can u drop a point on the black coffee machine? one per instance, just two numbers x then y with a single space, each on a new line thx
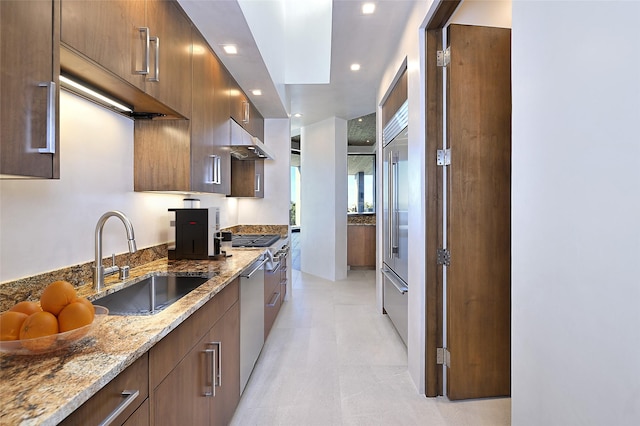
196 233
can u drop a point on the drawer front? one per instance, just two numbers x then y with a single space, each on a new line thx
103 403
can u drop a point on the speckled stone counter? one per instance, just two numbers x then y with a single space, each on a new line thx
361 219
44 389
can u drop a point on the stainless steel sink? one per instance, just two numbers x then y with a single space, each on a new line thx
150 295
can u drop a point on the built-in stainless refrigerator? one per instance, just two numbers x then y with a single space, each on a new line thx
395 223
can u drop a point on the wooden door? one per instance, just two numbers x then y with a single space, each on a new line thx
478 280
28 54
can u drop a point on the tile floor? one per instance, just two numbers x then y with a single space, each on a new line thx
332 359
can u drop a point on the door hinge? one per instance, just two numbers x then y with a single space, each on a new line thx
443 257
443 157
443 357
443 57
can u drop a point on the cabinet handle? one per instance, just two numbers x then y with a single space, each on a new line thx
51 118
213 372
216 164
145 62
245 106
156 77
218 376
257 182
274 300
129 397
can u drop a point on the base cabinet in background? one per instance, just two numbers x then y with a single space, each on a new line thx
361 246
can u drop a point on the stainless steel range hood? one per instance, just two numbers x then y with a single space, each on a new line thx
247 147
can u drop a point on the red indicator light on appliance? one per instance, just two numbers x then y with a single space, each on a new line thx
193 223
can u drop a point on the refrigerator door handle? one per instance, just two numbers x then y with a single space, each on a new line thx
395 232
401 287
390 205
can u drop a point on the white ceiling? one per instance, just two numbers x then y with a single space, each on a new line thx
366 39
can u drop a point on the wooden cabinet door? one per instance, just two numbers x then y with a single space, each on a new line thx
272 298
478 289
238 103
247 178
170 80
227 396
109 33
29 47
182 398
210 160
256 123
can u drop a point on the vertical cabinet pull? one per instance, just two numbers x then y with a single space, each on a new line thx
210 381
245 106
145 56
257 182
216 166
129 396
216 368
156 70
50 148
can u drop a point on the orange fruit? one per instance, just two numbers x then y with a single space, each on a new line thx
26 307
56 296
88 304
74 315
10 324
42 325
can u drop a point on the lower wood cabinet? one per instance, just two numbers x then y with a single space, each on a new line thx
101 405
272 297
195 370
190 377
361 246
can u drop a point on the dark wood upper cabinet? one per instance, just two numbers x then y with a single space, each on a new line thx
247 178
210 132
146 43
29 135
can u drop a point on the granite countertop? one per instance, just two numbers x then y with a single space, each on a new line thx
44 389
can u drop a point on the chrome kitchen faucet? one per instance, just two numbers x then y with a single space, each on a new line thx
99 271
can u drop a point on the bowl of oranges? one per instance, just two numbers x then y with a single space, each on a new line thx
58 320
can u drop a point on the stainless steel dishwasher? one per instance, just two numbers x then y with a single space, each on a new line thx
251 318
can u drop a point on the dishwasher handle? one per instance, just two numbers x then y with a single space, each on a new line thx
400 286
254 270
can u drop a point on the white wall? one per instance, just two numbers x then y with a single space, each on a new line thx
576 210
411 47
323 216
49 224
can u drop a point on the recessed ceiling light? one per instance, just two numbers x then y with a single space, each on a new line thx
360 119
257 92
230 49
297 115
355 67
368 8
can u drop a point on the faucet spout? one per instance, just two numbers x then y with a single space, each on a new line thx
98 269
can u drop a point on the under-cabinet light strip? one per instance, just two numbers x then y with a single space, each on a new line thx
67 81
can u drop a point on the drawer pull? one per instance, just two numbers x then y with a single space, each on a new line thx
274 300
129 397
